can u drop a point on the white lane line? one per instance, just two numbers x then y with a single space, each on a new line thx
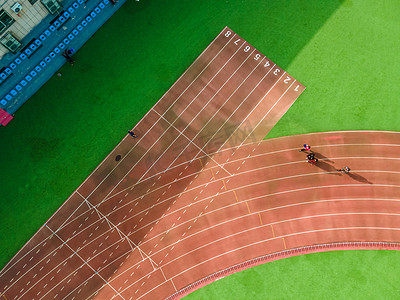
7 267
256 155
267 113
152 127
244 100
86 263
187 106
191 142
212 117
356 157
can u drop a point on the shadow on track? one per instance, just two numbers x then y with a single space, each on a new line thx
359 178
327 167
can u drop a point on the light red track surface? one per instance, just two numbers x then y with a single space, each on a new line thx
198 195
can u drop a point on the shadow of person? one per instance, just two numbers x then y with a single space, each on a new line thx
320 156
359 178
327 167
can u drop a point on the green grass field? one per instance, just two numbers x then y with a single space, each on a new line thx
344 52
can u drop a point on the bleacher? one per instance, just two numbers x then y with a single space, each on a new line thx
40 59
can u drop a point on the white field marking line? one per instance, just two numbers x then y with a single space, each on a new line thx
267 225
65 277
287 235
270 239
61 226
212 117
183 74
125 236
259 102
177 118
246 172
245 186
164 131
212 211
103 268
145 275
85 262
191 142
254 213
49 254
244 100
156 123
252 112
267 113
253 156
292 149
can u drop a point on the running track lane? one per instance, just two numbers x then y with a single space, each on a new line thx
273 216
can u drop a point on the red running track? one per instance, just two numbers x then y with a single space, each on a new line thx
194 199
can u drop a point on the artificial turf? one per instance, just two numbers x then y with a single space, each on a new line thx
344 52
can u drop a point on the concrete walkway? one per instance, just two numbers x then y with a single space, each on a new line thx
23 73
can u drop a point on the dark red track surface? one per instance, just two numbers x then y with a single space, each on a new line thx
198 195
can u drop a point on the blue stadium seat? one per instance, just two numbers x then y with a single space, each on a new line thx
22 56
47 59
33 73
66 41
52 28
47 32
38 42
79 27
80 1
57 24
56 50
13 92
93 14
71 36
97 10
18 87
75 32
33 47
28 52
84 23
61 45
7 70
8 97
3 76
52 54
66 15
38 69
71 10
18 61
101 5
61 19
13 66
3 102
88 18
75 5
23 82
42 37
28 78
42 64
106 1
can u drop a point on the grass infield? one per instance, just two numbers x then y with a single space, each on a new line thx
344 52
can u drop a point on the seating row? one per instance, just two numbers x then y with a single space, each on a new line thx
38 42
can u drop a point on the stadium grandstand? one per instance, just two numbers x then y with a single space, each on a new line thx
34 34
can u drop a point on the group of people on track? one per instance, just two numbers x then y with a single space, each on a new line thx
313 160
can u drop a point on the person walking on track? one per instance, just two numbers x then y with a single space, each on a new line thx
310 156
313 161
305 148
345 170
132 134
